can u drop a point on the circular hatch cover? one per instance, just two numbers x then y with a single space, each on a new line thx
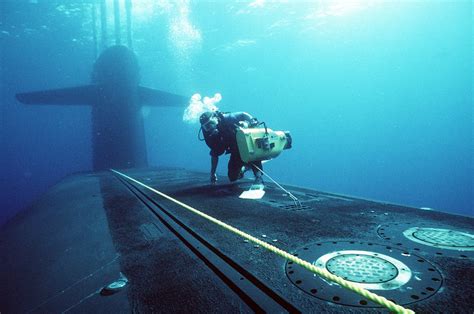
390 272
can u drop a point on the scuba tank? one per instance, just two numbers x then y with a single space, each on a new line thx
261 143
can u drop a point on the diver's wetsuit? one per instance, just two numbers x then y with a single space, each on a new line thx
223 140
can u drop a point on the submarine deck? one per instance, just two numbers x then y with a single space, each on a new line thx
91 230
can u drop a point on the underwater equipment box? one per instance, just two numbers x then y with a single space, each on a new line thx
261 143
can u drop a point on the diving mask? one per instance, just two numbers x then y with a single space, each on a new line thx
210 124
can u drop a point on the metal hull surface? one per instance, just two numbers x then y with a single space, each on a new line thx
91 229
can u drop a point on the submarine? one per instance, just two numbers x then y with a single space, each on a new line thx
116 99
127 237
165 240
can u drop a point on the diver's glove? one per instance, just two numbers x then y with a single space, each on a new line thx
254 123
244 124
213 178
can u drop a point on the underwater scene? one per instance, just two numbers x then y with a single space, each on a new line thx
377 95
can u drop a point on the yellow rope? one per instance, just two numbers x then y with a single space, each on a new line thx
319 271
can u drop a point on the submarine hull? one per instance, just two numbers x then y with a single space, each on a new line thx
95 229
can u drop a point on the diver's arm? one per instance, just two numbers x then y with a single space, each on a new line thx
214 162
246 120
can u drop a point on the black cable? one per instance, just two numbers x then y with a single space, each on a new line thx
199 135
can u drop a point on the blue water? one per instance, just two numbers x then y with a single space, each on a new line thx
377 95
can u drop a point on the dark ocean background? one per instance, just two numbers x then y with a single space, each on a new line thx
378 95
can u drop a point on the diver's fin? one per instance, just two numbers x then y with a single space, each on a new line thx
80 95
154 97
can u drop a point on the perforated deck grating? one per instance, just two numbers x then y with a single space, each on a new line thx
442 238
432 239
389 272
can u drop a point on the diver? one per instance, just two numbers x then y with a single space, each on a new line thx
219 130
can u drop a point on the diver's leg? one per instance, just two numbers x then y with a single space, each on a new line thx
234 167
257 173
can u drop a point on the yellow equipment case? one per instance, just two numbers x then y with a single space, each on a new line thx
261 143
